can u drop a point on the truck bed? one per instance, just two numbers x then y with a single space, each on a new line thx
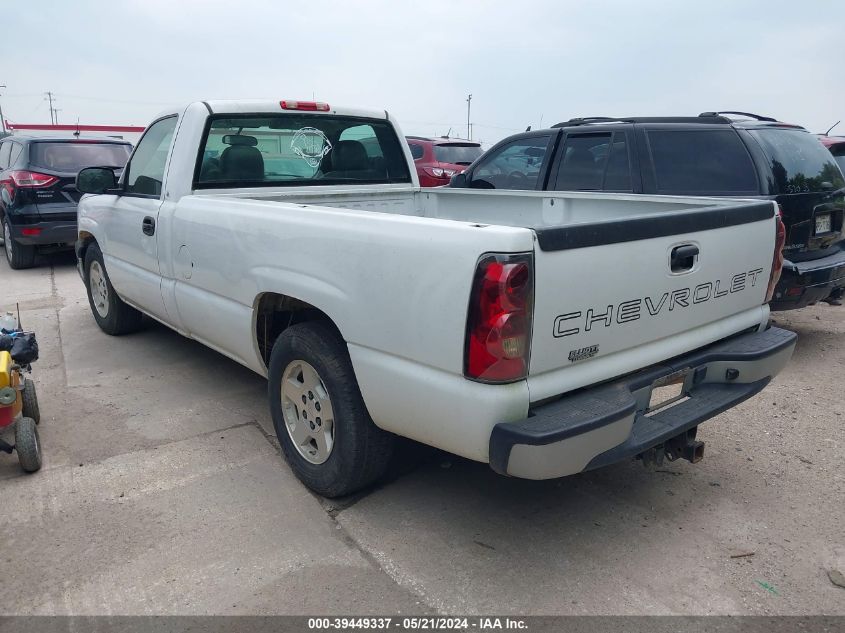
527 209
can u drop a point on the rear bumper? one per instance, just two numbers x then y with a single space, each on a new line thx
49 232
606 424
804 283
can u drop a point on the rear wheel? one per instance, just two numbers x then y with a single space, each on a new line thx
320 418
30 401
28 445
18 255
110 312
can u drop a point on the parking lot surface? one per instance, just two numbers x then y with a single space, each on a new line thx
163 492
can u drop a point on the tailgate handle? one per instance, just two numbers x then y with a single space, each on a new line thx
683 258
148 226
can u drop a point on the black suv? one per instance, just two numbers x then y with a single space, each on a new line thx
38 193
741 155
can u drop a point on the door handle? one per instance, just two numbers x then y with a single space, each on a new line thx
682 258
148 226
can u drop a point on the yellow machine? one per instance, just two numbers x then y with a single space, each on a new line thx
19 408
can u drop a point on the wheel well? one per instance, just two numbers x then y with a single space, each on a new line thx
85 240
274 313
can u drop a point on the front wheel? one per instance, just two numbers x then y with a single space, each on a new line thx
110 312
323 426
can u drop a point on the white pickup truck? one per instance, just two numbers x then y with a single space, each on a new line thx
538 332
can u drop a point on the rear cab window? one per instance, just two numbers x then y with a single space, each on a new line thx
710 162
299 150
798 160
72 156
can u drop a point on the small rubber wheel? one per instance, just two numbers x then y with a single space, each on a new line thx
323 426
19 256
110 312
30 401
28 445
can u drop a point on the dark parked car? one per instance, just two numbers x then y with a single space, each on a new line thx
714 154
38 192
438 159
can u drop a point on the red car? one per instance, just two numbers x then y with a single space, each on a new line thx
836 145
438 159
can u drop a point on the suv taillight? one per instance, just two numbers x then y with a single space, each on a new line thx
777 257
439 172
498 336
22 178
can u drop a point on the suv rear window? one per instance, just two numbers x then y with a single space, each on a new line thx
457 153
71 156
838 152
799 162
299 150
701 162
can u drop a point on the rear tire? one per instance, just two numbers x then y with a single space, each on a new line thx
110 312
30 401
313 362
28 445
19 256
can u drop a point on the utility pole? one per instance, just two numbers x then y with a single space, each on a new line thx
56 115
52 112
469 125
2 120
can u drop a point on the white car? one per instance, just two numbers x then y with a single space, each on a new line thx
535 331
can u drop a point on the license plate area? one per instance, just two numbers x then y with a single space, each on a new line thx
823 223
667 391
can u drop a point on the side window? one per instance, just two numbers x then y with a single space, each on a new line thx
5 150
617 176
145 171
416 151
515 165
701 162
594 162
16 152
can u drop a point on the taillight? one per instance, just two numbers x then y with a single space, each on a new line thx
22 178
437 172
308 106
498 336
777 257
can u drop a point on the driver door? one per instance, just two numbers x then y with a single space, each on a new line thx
516 164
131 248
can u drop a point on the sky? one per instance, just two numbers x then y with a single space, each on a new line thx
525 62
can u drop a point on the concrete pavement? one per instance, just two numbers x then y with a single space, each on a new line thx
163 492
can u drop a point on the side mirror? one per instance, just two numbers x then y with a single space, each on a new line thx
459 180
96 180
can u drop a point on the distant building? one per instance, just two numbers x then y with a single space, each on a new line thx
129 133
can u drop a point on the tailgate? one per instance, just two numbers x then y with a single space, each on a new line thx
615 296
